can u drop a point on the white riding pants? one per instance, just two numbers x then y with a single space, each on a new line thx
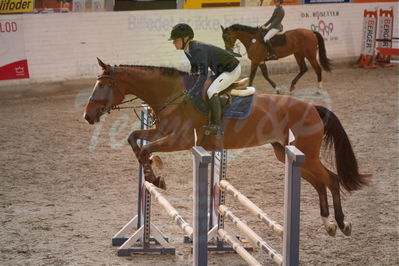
223 81
270 34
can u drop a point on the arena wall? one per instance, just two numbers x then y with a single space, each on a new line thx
63 47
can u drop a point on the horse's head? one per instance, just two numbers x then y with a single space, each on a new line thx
105 94
229 38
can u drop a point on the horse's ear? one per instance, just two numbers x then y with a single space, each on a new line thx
101 63
222 27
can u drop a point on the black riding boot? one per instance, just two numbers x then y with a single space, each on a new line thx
270 51
216 116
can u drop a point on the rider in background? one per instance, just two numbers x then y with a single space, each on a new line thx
225 67
273 25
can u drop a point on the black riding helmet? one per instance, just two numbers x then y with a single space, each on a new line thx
181 30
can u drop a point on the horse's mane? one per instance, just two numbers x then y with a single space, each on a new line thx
239 27
161 69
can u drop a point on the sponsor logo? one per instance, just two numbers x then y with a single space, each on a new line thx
16 6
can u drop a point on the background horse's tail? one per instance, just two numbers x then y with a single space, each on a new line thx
324 61
346 163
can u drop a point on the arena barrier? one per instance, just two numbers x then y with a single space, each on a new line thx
151 240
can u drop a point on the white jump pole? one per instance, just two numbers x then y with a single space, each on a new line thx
255 238
227 187
172 212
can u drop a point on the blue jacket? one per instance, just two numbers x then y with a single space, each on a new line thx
203 56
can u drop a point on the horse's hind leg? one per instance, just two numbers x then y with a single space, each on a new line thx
317 69
308 173
300 59
315 173
345 227
265 73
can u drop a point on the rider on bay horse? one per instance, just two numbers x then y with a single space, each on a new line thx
225 67
273 25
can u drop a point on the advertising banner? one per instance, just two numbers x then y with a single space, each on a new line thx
326 21
385 28
16 6
53 6
79 6
368 40
369 30
325 1
98 5
13 62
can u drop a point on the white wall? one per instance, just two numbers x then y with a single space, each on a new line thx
65 46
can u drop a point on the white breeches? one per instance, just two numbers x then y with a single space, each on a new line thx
223 81
270 34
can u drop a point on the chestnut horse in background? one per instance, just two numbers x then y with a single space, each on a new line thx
302 43
269 122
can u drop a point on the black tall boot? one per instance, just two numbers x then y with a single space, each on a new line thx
216 116
271 55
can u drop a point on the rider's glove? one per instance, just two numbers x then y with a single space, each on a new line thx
188 96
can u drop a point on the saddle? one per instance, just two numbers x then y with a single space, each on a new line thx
279 39
236 100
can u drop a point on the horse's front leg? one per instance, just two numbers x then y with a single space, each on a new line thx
254 67
150 135
169 143
265 73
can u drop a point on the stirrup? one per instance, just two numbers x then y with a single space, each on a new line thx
213 130
271 57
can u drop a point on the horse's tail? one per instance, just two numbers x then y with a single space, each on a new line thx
346 163
324 61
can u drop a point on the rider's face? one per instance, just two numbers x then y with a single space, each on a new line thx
178 43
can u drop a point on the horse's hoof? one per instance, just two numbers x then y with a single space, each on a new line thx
161 182
157 161
331 229
347 230
278 91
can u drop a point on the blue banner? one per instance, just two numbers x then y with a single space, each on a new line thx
325 1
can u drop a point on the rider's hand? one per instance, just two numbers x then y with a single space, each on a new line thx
187 98
264 27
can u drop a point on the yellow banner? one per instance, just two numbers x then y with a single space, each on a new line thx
188 4
16 6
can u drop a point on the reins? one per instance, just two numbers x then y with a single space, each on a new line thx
156 120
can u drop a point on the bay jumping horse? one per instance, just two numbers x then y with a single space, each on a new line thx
269 121
302 43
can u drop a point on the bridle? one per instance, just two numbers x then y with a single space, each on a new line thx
108 106
226 35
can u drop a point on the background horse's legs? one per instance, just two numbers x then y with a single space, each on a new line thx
254 67
317 69
265 73
300 59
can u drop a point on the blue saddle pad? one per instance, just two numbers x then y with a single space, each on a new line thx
239 108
